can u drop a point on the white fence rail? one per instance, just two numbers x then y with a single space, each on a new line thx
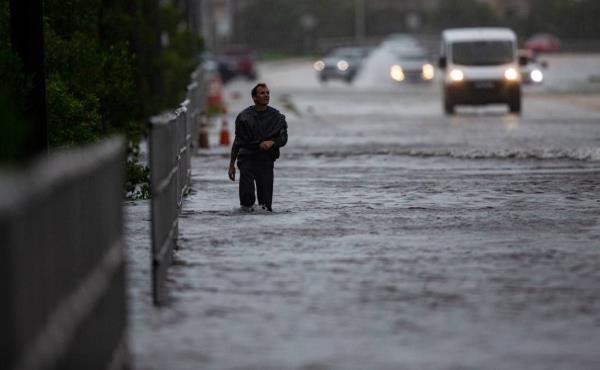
62 271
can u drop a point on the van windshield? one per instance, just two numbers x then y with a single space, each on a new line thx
482 53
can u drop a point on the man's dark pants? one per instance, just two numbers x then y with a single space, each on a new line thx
261 173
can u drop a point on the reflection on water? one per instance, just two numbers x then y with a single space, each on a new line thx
511 122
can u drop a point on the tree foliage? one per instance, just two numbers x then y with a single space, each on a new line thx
463 13
107 72
275 25
178 58
567 18
13 87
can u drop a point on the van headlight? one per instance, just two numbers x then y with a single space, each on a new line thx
427 71
536 75
511 74
396 73
319 65
456 75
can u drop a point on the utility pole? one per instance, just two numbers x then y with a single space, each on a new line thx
27 38
359 21
208 24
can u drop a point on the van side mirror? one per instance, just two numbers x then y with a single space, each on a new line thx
442 63
523 61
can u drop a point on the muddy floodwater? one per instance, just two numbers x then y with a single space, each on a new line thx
400 238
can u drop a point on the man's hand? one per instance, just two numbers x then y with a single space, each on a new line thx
231 172
266 145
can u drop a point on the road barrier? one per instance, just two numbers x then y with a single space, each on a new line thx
583 46
173 138
62 271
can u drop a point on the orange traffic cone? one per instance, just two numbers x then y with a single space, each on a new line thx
203 133
224 135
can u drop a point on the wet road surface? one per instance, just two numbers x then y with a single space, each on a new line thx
401 239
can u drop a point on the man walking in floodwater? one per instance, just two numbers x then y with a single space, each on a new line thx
260 131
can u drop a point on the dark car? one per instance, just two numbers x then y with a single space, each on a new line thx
543 42
341 63
412 65
236 61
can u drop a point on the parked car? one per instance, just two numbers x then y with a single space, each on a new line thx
341 63
543 42
532 69
236 61
412 65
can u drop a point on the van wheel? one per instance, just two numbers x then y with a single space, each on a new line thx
514 105
448 107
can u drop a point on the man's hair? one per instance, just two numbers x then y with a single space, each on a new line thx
255 88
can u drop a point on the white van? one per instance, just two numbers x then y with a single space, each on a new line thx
480 66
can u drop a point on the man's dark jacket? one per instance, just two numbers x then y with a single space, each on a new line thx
253 127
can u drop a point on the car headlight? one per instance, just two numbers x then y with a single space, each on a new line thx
536 75
427 71
511 74
457 75
396 73
319 65
342 65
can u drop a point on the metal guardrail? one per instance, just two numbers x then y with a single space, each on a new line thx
62 271
431 42
173 138
164 210
583 46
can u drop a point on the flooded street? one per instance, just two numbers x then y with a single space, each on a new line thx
401 238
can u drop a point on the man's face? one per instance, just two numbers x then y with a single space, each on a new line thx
262 96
